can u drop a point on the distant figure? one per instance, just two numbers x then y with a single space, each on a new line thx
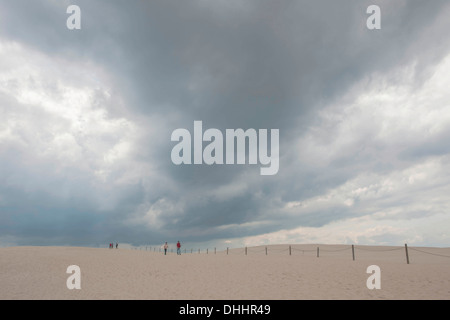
117 245
178 248
165 248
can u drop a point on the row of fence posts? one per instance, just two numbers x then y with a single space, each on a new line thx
318 252
290 251
353 252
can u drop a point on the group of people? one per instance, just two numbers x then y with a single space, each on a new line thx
111 245
166 246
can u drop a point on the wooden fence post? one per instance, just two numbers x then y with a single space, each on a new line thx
353 252
407 256
317 252
289 250
266 251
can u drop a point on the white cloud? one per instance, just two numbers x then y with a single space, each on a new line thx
59 127
372 229
380 117
376 128
150 214
424 184
60 111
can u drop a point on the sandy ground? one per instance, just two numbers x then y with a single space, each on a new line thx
40 273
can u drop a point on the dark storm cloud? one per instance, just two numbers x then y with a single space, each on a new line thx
252 64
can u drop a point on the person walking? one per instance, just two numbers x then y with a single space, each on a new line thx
178 248
165 248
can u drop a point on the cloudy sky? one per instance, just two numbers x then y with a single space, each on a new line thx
87 117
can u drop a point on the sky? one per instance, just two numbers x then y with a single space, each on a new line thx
87 116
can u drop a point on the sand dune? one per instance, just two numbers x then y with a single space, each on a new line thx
40 273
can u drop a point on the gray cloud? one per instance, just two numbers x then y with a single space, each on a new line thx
147 68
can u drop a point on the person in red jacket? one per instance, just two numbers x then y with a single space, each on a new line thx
178 247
